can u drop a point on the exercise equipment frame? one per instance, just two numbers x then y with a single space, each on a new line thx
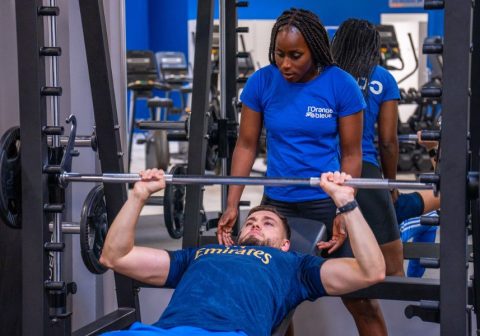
454 284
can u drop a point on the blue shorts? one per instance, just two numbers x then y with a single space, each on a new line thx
412 230
408 206
140 329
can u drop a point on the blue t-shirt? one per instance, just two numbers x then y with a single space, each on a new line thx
238 288
301 122
381 88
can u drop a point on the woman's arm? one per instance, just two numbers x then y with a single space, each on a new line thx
350 131
245 150
387 138
243 158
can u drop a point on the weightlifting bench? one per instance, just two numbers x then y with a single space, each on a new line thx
305 235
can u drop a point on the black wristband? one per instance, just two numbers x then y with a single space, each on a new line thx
347 207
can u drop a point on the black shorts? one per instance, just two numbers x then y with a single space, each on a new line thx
377 207
318 210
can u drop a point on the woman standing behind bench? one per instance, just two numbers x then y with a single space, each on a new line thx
312 113
310 108
356 49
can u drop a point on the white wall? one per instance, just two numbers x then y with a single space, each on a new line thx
9 104
257 40
96 294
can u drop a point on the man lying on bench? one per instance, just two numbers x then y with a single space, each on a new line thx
245 289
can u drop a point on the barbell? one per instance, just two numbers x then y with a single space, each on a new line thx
362 183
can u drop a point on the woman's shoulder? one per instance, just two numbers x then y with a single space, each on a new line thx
337 72
338 77
264 74
267 71
380 72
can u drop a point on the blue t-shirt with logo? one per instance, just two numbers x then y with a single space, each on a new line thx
301 122
238 288
381 88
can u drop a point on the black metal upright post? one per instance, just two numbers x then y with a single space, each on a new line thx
455 109
475 155
475 87
197 144
34 156
106 123
231 73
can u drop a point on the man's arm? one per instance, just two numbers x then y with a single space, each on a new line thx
344 275
119 252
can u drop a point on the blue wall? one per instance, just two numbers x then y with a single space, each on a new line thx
162 24
137 25
168 25
157 25
332 13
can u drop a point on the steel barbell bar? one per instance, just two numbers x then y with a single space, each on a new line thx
362 183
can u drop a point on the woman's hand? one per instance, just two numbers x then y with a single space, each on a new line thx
225 226
339 234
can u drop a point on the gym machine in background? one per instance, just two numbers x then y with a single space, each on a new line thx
143 79
427 114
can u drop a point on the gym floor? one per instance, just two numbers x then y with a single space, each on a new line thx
326 314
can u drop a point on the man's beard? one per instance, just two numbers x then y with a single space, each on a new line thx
252 241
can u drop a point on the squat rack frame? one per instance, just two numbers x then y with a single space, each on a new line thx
454 167
35 260
457 112
35 308
454 288
33 117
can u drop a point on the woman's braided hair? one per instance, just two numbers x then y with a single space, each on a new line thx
312 30
356 49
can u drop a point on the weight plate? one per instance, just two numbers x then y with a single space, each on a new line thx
93 230
174 204
11 182
157 153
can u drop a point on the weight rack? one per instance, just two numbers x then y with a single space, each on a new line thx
35 264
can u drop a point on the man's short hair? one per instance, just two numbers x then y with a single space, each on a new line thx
270 208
